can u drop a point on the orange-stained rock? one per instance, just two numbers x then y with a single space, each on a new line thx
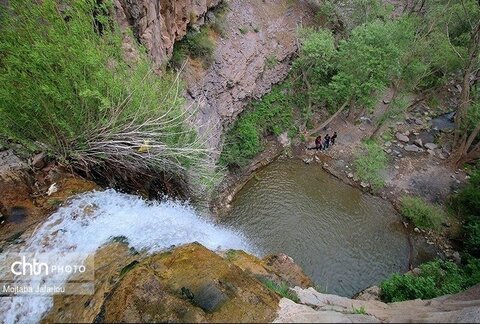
23 193
190 283
109 262
279 268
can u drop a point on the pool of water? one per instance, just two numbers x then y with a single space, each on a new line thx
344 239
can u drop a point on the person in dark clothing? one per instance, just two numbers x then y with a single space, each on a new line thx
318 143
334 137
327 141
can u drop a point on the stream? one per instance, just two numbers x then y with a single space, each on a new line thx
344 239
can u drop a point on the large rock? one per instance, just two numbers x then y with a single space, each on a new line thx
323 308
431 146
402 138
187 284
413 148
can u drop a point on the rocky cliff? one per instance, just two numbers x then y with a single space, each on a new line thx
157 24
253 53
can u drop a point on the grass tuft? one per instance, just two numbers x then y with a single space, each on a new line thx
423 214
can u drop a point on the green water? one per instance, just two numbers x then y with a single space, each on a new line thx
344 239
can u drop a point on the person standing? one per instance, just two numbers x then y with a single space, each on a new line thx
334 137
318 142
327 141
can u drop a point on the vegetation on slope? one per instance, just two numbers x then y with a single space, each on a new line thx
66 90
371 163
273 114
438 277
423 214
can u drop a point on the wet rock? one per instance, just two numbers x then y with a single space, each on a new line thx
209 298
413 148
222 292
402 138
431 146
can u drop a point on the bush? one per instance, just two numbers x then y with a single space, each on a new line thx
65 89
423 214
472 236
196 44
370 164
273 114
436 278
467 205
467 201
219 25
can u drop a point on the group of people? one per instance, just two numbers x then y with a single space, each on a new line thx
325 144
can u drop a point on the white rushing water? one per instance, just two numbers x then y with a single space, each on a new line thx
93 219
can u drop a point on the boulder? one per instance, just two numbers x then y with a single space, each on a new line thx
315 307
418 121
413 148
402 138
431 146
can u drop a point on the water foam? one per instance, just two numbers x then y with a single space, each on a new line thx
93 219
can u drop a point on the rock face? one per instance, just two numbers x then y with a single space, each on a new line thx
23 195
324 308
157 24
253 53
260 39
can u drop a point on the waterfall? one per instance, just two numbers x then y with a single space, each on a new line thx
90 220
